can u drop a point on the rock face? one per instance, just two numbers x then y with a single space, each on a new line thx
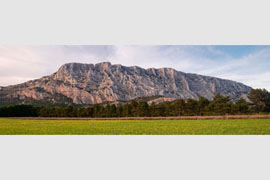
160 100
103 82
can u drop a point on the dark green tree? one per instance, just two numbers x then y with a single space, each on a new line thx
220 105
179 107
142 109
260 99
202 106
191 107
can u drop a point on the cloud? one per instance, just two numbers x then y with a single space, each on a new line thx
22 63
18 64
251 69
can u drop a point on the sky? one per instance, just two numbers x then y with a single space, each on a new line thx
246 64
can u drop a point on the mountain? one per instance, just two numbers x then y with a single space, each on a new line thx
76 83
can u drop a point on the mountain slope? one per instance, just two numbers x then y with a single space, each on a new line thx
89 84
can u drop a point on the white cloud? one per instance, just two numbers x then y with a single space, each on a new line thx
22 63
18 64
251 69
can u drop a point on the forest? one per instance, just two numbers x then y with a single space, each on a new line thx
259 103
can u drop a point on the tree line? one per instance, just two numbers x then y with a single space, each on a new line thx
220 105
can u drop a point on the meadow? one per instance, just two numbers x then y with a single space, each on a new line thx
9 126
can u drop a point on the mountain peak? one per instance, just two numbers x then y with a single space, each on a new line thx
74 65
105 63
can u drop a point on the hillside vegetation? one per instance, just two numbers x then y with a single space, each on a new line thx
220 105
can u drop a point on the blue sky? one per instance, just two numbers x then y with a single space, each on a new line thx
247 64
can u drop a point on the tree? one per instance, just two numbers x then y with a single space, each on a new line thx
179 107
127 109
191 107
142 109
202 105
241 106
85 112
112 110
220 105
19 111
260 99
70 111
159 110
134 105
119 110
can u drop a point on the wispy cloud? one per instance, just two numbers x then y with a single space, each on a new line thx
246 64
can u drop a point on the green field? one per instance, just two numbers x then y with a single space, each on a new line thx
134 127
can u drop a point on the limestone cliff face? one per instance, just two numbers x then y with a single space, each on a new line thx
96 83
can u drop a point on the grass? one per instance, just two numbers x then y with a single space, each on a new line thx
135 127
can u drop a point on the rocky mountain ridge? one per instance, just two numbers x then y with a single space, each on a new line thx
76 83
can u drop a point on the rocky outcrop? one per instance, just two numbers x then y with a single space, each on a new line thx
103 82
160 100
